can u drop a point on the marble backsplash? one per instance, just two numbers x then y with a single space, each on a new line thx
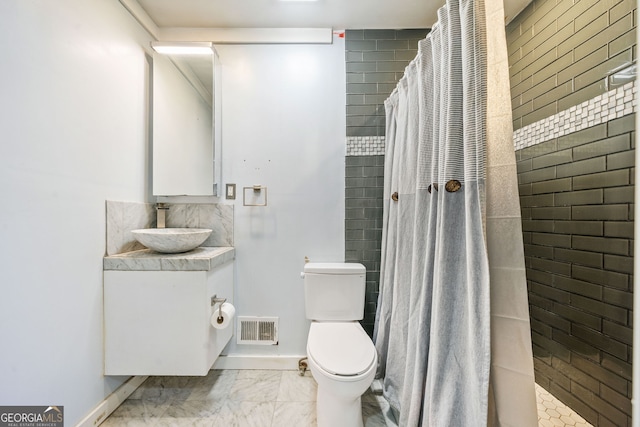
122 217
218 218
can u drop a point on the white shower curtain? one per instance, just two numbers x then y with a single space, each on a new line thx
433 331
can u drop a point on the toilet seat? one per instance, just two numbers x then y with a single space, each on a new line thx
341 348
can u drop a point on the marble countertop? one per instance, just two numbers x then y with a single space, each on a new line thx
199 259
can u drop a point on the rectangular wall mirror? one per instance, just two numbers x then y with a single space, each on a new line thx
186 125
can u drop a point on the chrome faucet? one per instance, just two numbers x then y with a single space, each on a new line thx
161 210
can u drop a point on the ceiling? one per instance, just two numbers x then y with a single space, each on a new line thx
336 14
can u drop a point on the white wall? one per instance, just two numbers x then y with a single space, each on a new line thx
72 134
284 128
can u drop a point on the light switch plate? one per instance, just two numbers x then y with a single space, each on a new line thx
230 192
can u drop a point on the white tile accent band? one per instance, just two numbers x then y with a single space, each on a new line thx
611 105
603 108
365 145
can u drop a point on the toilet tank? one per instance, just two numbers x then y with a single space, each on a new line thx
334 291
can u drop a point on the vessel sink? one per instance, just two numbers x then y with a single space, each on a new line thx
171 240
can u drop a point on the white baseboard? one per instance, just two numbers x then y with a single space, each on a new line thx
281 363
111 402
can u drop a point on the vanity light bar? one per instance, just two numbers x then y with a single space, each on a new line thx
183 48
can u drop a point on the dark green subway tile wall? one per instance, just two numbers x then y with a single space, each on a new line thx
576 196
375 61
363 224
562 54
578 252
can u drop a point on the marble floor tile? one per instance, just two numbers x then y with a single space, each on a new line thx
193 409
183 422
369 396
215 386
256 386
139 409
372 417
296 388
376 411
262 398
299 414
164 389
245 414
128 422
197 413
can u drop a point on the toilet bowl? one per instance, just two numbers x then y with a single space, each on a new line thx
343 361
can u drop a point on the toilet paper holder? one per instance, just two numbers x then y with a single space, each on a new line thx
215 300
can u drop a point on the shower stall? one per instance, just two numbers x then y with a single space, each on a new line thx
452 323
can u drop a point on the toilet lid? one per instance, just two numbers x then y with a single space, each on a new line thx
340 348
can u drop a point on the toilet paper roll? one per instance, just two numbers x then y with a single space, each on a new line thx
223 316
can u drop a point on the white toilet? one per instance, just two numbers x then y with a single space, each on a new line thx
340 354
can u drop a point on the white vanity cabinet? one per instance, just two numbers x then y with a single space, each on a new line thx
158 322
